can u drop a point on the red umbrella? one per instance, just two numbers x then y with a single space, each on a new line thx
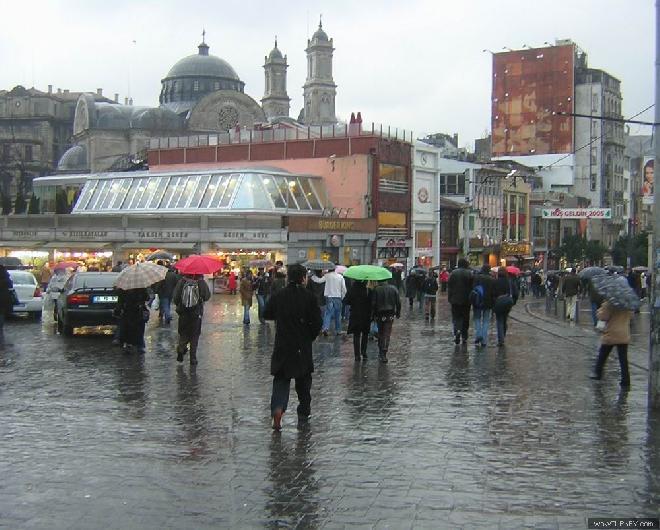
65 265
196 264
512 269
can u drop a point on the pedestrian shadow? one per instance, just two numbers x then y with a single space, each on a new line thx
293 492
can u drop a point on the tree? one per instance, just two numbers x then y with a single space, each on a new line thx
635 247
33 207
5 203
594 252
20 204
572 248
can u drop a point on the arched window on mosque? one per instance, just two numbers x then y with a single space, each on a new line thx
195 86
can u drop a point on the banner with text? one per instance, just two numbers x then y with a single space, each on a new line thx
576 213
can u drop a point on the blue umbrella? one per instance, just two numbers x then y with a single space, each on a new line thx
590 272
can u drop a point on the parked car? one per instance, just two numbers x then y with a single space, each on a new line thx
28 292
88 299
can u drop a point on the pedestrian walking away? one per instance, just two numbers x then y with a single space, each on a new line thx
430 289
134 314
505 295
411 288
616 333
570 289
6 304
232 283
482 299
334 292
297 324
317 288
385 306
262 287
358 299
444 279
246 290
189 296
458 291
165 291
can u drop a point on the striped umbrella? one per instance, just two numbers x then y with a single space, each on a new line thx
140 276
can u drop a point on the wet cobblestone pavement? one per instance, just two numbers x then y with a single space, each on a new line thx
441 437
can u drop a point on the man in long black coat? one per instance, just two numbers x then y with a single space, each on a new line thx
297 324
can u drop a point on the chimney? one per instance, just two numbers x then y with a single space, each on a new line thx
99 91
50 89
130 102
116 98
59 90
66 90
456 139
125 101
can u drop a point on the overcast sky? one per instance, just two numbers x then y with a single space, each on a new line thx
417 65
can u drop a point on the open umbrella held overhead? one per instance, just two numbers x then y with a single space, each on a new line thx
367 272
196 264
319 265
590 272
160 254
140 276
616 291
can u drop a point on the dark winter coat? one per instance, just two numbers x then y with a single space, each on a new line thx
6 285
318 290
131 303
359 299
204 295
459 286
385 300
503 285
297 324
488 283
165 289
430 286
571 285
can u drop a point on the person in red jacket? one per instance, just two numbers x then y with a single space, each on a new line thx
444 279
232 283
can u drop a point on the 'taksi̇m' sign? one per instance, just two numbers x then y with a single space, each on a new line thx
577 213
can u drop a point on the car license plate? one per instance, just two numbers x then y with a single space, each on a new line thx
102 299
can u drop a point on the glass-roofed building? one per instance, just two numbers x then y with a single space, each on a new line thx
207 192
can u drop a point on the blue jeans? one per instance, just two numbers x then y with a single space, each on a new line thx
501 326
332 310
481 324
164 306
246 314
261 303
594 308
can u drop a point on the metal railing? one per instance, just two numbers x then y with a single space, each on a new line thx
311 132
393 186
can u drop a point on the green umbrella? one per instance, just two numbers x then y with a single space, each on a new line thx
367 272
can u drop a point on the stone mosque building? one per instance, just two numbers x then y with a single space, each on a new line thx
201 93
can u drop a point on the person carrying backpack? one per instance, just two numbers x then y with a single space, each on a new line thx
430 288
481 299
458 291
189 296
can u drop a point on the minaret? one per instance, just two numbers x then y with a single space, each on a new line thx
319 90
275 101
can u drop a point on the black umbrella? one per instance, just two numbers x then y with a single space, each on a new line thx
420 271
319 265
11 262
160 254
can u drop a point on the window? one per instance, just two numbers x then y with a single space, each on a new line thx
216 85
28 153
195 86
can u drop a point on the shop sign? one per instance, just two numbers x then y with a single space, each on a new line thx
77 235
515 249
325 224
246 235
423 251
27 235
395 243
576 213
161 234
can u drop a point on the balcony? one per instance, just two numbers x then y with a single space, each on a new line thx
393 186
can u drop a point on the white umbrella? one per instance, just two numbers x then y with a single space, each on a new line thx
140 276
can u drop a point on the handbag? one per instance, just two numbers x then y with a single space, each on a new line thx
145 314
503 303
601 325
14 297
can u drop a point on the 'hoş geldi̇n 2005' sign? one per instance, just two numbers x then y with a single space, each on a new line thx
577 213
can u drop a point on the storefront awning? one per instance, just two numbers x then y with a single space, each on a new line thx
82 245
165 246
249 246
22 244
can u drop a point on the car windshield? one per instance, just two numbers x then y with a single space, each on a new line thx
23 278
94 281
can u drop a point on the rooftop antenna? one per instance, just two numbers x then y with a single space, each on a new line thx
203 36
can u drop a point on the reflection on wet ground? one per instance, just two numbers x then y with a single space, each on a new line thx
441 437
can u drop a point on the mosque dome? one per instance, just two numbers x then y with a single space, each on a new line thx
195 76
320 35
275 53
